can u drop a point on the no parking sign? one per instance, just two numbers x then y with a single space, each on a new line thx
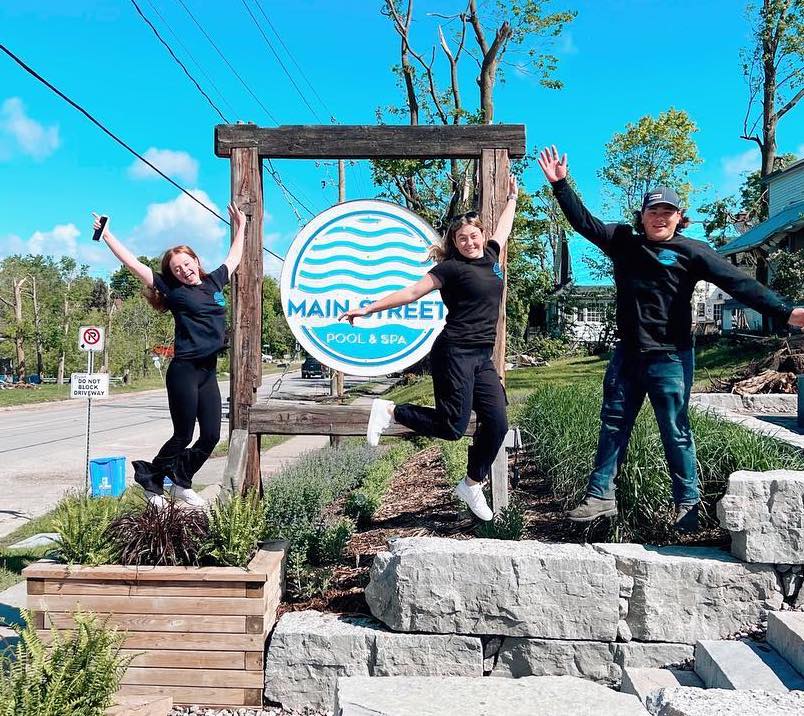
91 338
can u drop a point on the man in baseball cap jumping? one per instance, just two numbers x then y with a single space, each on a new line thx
656 269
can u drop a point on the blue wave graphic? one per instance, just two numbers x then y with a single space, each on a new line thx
356 274
347 287
366 234
368 220
361 247
361 261
367 344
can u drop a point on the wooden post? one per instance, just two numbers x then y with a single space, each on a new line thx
246 343
494 171
336 376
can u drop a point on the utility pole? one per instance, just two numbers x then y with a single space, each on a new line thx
336 379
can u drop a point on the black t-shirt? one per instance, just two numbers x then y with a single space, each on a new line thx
199 312
655 279
471 290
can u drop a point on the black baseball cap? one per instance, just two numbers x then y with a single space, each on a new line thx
661 195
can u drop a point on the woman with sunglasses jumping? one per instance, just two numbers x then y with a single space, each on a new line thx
470 279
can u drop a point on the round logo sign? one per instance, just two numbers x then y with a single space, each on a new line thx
347 257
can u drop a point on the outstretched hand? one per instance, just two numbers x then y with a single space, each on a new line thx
553 167
513 187
237 216
353 313
797 318
97 224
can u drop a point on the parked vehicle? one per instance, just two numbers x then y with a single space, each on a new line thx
312 368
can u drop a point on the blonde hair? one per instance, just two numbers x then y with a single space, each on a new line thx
155 297
447 249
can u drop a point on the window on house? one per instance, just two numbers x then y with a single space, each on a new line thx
595 314
718 312
701 312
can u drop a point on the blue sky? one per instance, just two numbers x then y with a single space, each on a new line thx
619 60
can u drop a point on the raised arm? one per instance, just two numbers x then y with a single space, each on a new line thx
579 217
129 260
238 218
398 298
506 222
714 268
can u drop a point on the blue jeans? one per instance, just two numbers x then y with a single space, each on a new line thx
666 379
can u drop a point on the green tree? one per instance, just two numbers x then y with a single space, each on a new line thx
276 333
725 218
125 284
788 274
654 151
773 67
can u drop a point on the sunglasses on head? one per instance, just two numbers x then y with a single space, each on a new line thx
467 215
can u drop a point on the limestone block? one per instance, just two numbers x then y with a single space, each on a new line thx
529 696
688 701
640 654
554 657
309 650
684 594
495 587
762 510
644 682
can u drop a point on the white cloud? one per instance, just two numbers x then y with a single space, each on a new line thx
183 221
27 135
800 152
61 240
566 44
271 266
736 167
176 164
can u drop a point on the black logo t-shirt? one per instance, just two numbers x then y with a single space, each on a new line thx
199 312
472 291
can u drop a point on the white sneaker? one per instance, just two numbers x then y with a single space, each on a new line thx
382 415
156 500
188 495
475 500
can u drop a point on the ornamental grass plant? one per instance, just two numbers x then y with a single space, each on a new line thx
561 426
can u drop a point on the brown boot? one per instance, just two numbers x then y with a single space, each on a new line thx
591 508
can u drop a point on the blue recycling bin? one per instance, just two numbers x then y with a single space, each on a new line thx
107 476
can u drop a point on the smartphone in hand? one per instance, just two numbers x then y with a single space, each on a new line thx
99 232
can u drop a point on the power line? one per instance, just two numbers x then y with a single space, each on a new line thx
180 63
279 60
190 55
111 134
293 60
228 64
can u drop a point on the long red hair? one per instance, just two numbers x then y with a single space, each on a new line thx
155 297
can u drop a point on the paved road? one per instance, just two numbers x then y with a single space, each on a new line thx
42 446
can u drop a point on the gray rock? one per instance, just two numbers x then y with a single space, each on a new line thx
553 657
309 650
762 510
624 631
786 635
644 682
683 594
687 701
623 608
639 654
529 696
483 586
626 586
744 665
43 539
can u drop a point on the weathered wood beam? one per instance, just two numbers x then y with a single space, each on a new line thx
462 141
246 347
279 419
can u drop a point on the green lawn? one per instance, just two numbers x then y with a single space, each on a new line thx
717 359
13 561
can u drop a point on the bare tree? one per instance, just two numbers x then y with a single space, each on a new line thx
774 71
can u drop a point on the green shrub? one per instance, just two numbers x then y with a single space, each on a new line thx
160 536
81 523
364 502
455 457
78 674
562 424
236 524
328 545
509 524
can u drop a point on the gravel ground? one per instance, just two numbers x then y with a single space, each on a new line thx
273 711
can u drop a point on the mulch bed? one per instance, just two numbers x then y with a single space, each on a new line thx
419 503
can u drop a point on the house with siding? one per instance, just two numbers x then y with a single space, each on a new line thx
783 230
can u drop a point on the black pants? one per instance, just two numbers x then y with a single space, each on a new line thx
464 379
193 394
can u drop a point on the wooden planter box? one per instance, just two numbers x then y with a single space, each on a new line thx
197 634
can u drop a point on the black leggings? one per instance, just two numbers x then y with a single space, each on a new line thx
464 378
193 394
